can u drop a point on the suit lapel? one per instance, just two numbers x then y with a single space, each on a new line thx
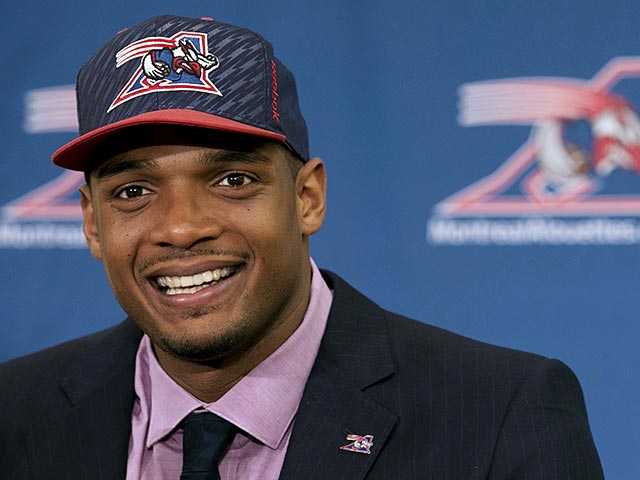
354 354
101 391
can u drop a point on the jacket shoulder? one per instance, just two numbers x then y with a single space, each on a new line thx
414 341
428 357
471 364
440 341
27 376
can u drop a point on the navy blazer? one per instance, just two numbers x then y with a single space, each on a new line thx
439 406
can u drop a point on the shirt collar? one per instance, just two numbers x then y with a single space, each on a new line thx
161 398
263 403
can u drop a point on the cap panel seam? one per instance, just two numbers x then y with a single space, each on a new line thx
156 94
267 84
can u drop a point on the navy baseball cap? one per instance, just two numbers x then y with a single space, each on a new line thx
184 71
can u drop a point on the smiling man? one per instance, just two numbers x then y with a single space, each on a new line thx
240 358
206 247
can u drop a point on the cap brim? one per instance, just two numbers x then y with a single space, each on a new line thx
75 154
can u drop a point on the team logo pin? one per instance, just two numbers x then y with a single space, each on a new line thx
359 443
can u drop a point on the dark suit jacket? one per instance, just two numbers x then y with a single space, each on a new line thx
438 405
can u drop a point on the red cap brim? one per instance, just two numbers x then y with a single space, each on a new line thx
74 154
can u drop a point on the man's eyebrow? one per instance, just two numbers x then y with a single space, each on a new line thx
109 169
228 156
207 159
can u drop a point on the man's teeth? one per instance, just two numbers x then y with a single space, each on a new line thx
176 291
192 283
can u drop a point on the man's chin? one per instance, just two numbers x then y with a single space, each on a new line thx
205 339
199 349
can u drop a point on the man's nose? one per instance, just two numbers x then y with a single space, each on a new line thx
187 217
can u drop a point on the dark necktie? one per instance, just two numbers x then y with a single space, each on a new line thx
205 439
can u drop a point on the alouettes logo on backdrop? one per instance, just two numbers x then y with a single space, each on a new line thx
48 215
584 142
179 62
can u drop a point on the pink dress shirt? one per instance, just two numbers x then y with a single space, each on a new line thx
263 405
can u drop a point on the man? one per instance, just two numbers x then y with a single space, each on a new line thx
240 358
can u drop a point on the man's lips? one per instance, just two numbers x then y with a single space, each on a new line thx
195 284
188 266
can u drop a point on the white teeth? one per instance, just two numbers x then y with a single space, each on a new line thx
182 291
186 283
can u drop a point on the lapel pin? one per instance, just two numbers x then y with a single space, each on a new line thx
359 443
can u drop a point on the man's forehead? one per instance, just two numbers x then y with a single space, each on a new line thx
150 157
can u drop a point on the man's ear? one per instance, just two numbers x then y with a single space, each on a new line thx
89 225
311 194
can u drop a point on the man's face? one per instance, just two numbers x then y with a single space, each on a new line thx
205 248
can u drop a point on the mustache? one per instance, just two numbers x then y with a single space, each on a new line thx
180 254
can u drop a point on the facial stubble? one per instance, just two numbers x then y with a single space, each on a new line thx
222 344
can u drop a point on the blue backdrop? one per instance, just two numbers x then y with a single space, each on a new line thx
449 201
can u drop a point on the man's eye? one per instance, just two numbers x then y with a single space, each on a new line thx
235 180
132 191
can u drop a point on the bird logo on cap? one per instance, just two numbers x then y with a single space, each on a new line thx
180 62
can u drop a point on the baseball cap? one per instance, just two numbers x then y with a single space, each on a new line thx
189 72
